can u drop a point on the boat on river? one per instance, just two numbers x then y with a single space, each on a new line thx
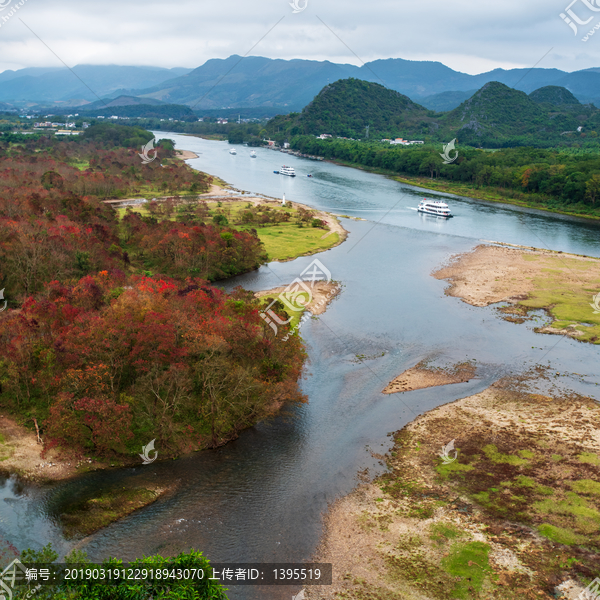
232 151
289 171
252 154
435 208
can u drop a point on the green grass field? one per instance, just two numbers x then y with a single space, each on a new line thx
282 241
566 287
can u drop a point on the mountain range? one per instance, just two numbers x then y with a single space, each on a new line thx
82 84
288 84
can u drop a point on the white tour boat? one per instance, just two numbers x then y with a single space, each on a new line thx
232 151
438 209
287 171
252 154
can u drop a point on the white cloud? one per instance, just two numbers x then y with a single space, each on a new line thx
467 36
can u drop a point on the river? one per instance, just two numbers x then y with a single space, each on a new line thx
262 497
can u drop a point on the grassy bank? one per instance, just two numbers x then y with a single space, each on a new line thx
564 285
512 512
490 195
282 241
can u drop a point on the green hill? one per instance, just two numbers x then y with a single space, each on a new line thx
346 107
495 112
555 95
494 116
499 116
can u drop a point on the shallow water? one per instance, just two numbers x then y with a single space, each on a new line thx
262 497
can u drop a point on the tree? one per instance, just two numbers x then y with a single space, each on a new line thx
592 189
229 397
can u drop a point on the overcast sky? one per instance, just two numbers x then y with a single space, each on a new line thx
467 35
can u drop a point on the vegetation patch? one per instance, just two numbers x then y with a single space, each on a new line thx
286 232
91 514
505 519
469 564
562 285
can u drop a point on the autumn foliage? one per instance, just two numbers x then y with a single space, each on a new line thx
114 335
107 366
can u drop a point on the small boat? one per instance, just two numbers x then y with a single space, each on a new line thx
437 209
309 175
276 172
232 151
252 154
287 171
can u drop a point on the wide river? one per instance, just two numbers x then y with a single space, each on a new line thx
262 498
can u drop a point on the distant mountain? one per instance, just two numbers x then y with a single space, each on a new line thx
132 107
121 101
86 82
555 95
346 107
257 81
250 82
127 106
289 85
445 101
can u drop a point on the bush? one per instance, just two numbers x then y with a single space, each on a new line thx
203 589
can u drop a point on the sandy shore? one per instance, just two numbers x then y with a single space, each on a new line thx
562 284
185 154
486 523
421 376
215 190
322 294
20 453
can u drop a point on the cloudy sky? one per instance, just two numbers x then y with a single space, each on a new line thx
467 35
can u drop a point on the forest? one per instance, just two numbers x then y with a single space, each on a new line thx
114 332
